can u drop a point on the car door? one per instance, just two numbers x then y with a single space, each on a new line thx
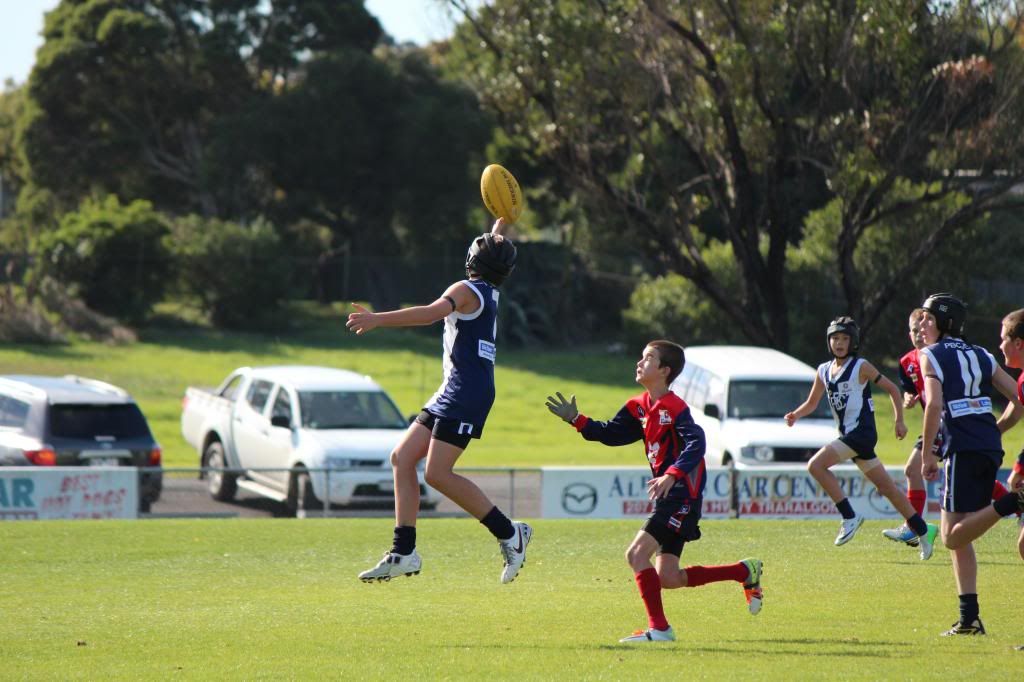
277 448
250 425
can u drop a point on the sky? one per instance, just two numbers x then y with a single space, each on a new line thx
21 21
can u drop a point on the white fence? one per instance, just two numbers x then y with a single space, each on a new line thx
781 491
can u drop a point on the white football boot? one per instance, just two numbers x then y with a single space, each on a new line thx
392 566
650 635
848 528
514 551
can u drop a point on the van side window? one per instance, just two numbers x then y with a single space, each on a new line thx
716 393
258 393
698 389
681 386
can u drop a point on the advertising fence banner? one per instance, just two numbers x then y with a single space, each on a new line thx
790 492
617 492
29 493
776 492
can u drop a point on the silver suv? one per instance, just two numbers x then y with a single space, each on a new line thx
72 421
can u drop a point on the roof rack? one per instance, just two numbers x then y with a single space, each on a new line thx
97 384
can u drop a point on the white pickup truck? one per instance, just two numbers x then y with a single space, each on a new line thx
288 431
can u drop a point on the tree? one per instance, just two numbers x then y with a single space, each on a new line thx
684 122
129 96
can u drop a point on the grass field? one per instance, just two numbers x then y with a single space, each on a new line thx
520 431
278 599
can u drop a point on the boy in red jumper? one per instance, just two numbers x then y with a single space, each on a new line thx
674 446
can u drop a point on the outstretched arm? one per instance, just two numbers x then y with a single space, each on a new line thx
456 297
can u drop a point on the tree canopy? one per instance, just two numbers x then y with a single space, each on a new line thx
688 122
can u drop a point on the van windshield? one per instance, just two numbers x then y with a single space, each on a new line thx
349 410
771 399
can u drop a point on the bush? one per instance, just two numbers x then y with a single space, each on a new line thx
672 307
110 255
239 273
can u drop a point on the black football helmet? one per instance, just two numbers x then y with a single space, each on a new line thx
844 325
949 311
492 257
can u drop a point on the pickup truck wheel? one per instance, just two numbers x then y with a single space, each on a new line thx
222 486
300 493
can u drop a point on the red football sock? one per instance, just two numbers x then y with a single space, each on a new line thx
650 591
998 490
918 498
702 575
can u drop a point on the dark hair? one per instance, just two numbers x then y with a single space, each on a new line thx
670 355
1014 323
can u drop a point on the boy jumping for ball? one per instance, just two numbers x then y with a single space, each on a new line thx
458 410
674 446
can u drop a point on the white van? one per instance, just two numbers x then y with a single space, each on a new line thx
739 395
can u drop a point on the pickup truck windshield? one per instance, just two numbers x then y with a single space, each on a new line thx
771 399
349 410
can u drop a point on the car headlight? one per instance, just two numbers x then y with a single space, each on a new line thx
759 453
339 463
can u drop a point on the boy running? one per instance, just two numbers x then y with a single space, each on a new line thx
674 446
958 384
846 380
457 411
912 382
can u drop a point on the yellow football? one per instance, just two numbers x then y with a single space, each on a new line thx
501 193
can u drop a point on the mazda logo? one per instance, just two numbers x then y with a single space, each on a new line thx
579 498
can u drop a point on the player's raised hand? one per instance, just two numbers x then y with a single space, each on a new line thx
562 408
362 320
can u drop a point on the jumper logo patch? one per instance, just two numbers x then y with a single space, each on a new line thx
663 417
652 453
465 429
966 406
838 400
486 350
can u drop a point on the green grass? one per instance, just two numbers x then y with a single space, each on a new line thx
520 431
200 599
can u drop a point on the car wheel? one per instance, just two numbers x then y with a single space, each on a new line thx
222 486
300 493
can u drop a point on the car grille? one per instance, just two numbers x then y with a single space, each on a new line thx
794 454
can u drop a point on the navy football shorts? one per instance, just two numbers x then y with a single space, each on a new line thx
863 446
673 523
449 430
970 477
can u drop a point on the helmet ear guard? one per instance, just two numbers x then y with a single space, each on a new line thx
950 313
844 325
493 257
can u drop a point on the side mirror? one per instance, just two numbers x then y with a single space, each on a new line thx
711 410
281 421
